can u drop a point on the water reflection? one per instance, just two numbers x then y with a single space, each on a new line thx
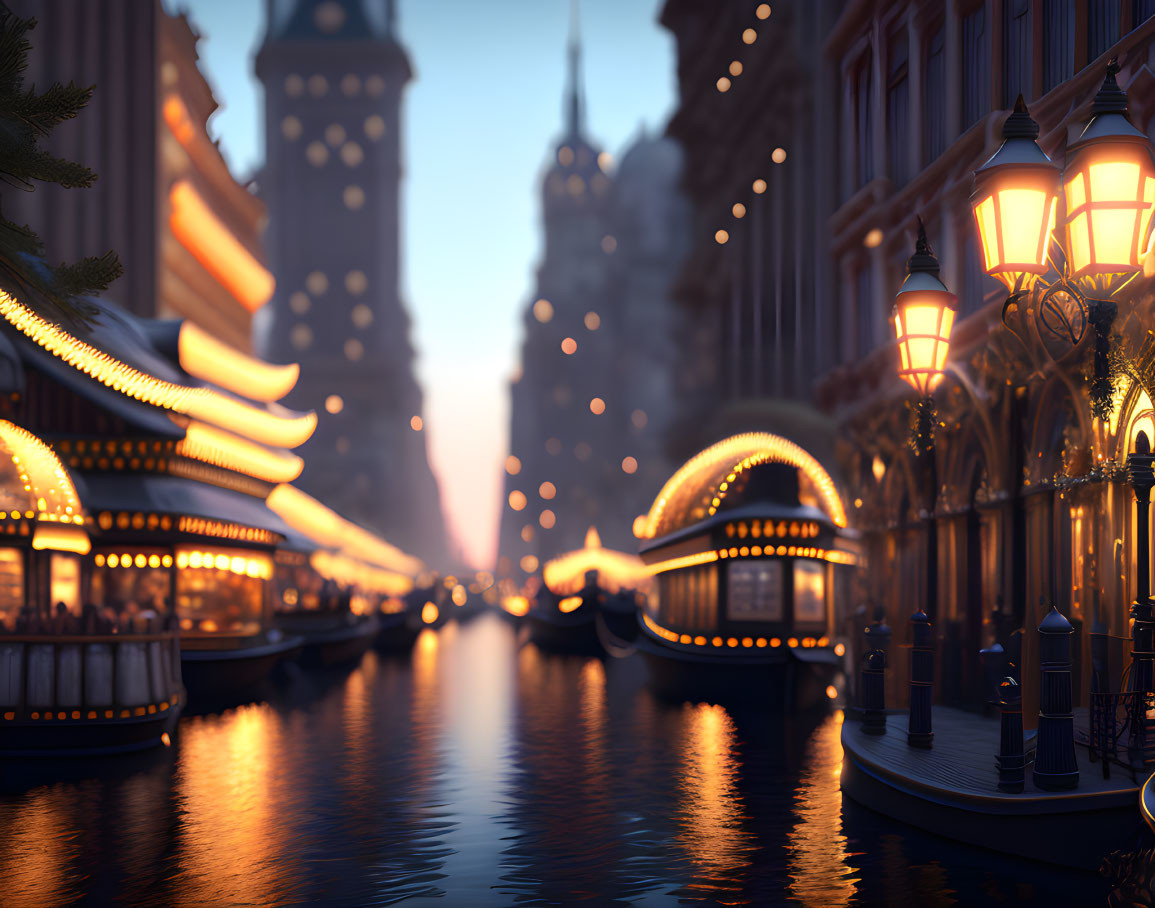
821 872
481 771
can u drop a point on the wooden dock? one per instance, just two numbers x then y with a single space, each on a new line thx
952 790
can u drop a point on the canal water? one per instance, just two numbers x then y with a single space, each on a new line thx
481 771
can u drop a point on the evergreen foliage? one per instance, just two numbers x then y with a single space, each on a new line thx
26 118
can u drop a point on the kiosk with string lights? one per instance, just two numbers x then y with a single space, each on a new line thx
747 545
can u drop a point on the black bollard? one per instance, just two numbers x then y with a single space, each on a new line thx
1011 761
1055 766
1140 464
919 732
877 636
874 693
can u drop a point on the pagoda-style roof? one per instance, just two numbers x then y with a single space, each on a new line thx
565 575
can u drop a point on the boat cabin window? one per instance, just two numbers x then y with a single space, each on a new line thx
11 587
754 590
809 592
688 598
125 584
64 582
221 591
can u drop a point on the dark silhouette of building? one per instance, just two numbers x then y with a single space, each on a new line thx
334 73
594 384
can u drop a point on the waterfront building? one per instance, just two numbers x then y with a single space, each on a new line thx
594 390
187 232
334 74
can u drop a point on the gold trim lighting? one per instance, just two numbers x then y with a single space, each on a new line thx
42 474
232 452
708 475
218 250
684 561
199 526
724 642
214 361
367 578
518 606
616 570
198 403
235 561
61 537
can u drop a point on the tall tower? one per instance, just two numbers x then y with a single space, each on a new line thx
562 439
334 73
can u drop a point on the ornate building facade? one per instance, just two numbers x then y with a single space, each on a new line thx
334 74
188 234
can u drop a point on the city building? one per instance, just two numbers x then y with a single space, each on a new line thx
334 74
594 393
187 233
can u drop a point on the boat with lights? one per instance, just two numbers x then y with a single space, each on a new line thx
338 585
746 544
569 610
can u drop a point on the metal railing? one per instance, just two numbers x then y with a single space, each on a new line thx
1122 730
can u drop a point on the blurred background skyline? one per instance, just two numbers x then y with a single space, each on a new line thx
474 149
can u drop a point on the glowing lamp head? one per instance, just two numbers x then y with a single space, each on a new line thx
924 312
1109 189
1014 204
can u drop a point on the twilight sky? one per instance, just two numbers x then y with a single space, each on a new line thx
480 119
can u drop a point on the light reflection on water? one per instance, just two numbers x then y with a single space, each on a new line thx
478 771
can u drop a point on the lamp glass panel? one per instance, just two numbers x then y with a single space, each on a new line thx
988 232
923 319
1024 217
1079 242
1114 181
1115 231
1076 192
935 381
922 353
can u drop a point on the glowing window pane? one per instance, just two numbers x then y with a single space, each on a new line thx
1024 211
1114 232
1114 181
988 232
1076 194
1079 244
922 319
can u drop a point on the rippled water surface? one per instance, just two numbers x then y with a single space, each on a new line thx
480 771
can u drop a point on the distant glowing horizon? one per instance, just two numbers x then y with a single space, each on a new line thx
480 120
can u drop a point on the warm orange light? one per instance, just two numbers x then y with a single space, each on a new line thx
924 313
1109 189
566 573
43 476
416 424
429 613
512 465
629 465
232 452
721 237
199 230
832 692
569 604
212 360
1014 205
518 606
529 563
459 595
547 519
597 406
60 537
547 490
517 499
839 649
334 404
569 346
176 117
543 310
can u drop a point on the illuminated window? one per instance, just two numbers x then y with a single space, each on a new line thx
592 321
416 423
299 302
121 578
334 134
629 465
597 406
316 283
374 127
543 311
318 86
356 282
809 592
362 316
350 85
547 519
291 128
354 197
609 244
316 154
334 404
569 346
301 336
220 592
755 591
512 465
354 349
351 154
294 86
11 587
547 490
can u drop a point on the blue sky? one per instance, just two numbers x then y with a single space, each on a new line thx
480 120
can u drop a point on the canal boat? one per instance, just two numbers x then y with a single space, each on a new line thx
745 541
337 582
598 589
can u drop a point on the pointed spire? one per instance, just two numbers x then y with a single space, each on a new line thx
923 259
574 97
1111 98
1019 124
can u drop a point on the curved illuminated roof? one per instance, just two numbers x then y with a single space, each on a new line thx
566 574
696 490
45 480
272 426
213 360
